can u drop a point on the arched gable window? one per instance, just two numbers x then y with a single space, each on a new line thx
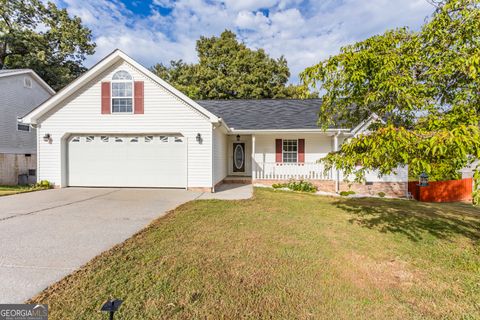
122 92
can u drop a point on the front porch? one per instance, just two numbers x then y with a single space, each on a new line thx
268 158
282 157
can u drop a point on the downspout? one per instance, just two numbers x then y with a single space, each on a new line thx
337 172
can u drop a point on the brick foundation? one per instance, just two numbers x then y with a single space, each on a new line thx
391 189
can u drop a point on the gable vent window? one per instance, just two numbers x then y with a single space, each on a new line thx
23 127
27 82
122 92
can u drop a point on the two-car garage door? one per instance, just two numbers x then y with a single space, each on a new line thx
127 161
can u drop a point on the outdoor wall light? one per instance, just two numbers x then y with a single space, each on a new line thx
111 306
238 137
199 138
423 180
47 137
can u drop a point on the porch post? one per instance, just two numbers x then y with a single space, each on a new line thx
337 173
254 168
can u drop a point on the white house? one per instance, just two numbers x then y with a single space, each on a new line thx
119 125
21 90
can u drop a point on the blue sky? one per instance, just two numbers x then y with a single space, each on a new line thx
304 31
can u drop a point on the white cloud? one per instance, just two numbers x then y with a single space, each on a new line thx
250 20
303 31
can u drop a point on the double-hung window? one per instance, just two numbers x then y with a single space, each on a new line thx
290 150
122 92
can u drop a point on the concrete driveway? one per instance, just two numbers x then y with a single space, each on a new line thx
46 235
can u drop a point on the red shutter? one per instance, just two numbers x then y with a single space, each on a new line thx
105 97
138 103
278 151
301 150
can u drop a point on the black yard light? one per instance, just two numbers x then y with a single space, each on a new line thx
238 137
423 180
111 306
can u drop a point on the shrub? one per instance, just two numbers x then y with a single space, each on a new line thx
381 194
45 184
302 186
347 193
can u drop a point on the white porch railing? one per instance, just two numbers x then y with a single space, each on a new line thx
287 171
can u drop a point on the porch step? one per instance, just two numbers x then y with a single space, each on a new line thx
243 180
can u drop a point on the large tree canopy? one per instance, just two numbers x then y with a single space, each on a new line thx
227 69
43 38
425 85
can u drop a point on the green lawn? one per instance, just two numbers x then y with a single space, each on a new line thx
287 255
8 190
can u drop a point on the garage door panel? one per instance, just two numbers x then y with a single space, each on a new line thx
127 162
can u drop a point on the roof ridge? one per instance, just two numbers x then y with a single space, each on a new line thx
263 99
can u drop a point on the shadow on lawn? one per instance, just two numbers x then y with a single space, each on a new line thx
414 219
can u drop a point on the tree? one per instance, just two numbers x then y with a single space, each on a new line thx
227 69
44 38
425 85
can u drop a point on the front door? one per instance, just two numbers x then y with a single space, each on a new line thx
239 157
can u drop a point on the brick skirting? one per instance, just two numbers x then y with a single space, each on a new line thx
391 189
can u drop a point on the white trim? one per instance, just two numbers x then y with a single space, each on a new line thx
33 74
296 160
365 124
274 131
132 82
337 172
101 66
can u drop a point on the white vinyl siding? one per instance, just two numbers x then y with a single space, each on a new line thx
317 145
220 149
164 113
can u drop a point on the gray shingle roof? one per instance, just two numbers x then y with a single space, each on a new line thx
266 113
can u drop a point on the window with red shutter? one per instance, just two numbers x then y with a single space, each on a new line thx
139 97
105 97
301 150
278 151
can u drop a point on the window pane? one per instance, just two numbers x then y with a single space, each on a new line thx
289 150
122 104
23 127
122 75
121 89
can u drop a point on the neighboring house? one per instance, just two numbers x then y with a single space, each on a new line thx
119 125
21 90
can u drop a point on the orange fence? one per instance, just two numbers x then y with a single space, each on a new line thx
442 191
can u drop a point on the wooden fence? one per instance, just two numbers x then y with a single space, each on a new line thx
442 191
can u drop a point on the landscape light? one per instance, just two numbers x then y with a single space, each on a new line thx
111 306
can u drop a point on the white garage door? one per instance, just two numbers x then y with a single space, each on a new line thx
127 161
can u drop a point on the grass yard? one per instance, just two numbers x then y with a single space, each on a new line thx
8 190
287 255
